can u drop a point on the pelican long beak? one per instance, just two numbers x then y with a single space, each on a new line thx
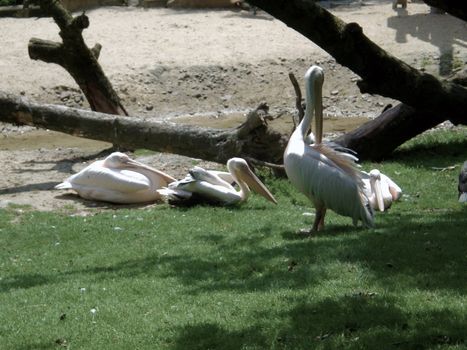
379 195
318 104
256 185
135 164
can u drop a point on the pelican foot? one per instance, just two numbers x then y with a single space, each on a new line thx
305 232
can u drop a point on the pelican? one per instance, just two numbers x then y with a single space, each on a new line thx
327 178
380 189
216 187
462 187
118 179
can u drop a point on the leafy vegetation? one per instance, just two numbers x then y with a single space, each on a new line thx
7 2
241 278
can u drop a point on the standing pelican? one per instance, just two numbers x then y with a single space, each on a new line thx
327 178
216 187
118 179
462 186
380 189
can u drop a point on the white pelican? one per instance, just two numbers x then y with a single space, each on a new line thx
118 179
462 187
380 189
216 187
327 178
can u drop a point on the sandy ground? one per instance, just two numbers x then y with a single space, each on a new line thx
168 63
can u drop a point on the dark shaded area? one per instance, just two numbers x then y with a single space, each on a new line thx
211 336
421 155
457 8
43 186
24 281
402 249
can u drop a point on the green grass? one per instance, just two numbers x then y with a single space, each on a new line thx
240 278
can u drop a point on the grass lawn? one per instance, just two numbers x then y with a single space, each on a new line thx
241 278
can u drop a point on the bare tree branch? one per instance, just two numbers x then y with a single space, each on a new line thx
252 139
381 72
80 61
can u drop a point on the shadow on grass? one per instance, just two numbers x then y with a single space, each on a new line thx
427 254
371 321
42 346
353 321
24 281
211 336
404 253
437 153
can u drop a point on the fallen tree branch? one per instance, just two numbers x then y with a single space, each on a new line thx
377 138
253 139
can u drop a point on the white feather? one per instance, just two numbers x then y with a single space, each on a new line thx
332 183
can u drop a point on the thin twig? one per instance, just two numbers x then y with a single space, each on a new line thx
298 99
257 162
451 167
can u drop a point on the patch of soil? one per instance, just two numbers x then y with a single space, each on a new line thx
189 64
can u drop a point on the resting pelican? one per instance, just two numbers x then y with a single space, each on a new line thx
380 189
327 178
462 187
216 187
118 179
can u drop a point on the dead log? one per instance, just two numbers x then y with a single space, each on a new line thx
252 139
74 55
377 138
453 7
381 72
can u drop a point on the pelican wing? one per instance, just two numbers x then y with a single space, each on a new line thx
396 191
214 193
213 177
111 179
318 177
201 189
227 177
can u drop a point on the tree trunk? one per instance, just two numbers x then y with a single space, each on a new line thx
252 139
457 8
80 61
379 137
381 72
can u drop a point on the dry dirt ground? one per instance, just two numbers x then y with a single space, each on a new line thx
200 64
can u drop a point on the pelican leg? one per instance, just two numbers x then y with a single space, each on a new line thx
318 225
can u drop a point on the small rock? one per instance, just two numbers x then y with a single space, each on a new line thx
65 96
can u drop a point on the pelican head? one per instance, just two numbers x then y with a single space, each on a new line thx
375 184
314 79
242 175
118 160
